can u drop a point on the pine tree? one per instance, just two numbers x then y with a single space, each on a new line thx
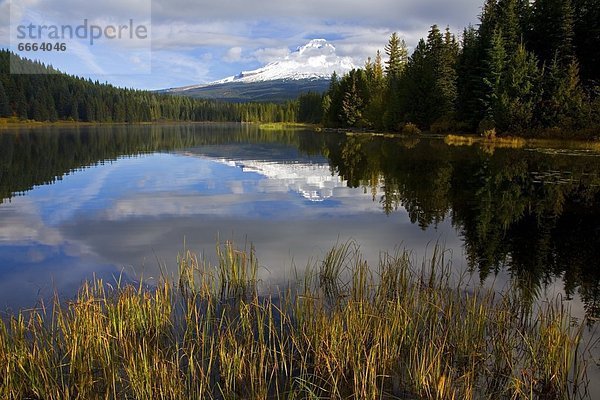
4 104
397 56
416 88
495 63
508 24
470 87
369 70
553 31
523 11
332 102
520 93
439 69
378 68
396 65
446 75
376 107
352 105
22 110
564 103
354 98
572 99
488 22
587 40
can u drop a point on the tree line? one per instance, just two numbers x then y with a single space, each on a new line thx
44 94
527 68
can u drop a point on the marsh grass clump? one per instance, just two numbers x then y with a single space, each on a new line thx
488 142
346 331
410 129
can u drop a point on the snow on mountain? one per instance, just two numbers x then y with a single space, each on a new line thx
315 60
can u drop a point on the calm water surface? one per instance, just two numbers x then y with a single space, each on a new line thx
110 200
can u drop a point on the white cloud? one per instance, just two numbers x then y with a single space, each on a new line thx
266 55
234 54
176 35
173 66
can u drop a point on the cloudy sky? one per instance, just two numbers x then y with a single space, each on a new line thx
191 41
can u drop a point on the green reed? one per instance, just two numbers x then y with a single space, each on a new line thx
348 331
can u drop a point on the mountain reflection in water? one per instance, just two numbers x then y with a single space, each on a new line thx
102 200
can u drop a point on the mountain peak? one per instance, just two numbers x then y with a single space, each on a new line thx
316 44
316 59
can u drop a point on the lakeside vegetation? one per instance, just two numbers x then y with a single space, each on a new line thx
343 330
283 126
527 69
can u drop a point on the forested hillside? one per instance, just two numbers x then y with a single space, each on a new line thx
49 95
527 68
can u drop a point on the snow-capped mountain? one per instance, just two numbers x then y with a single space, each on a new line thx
314 61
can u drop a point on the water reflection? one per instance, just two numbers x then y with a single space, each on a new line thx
521 214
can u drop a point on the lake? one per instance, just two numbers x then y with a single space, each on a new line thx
110 201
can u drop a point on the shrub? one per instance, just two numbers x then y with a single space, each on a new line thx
443 125
410 129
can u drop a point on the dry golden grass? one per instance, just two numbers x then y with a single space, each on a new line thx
492 142
347 331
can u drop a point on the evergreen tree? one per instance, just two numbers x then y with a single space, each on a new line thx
553 31
354 98
397 56
564 103
4 104
587 40
495 63
523 11
309 108
470 86
440 69
508 24
22 109
352 105
488 22
396 65
417 86
369 70
520 93
332 102
445 72
378 69
376 86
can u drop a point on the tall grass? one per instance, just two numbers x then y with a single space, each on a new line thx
489 142
347 331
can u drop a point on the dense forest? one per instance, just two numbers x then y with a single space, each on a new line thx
45 94
528 68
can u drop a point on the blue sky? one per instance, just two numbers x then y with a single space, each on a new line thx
191 42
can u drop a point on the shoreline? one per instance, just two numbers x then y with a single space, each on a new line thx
454 139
